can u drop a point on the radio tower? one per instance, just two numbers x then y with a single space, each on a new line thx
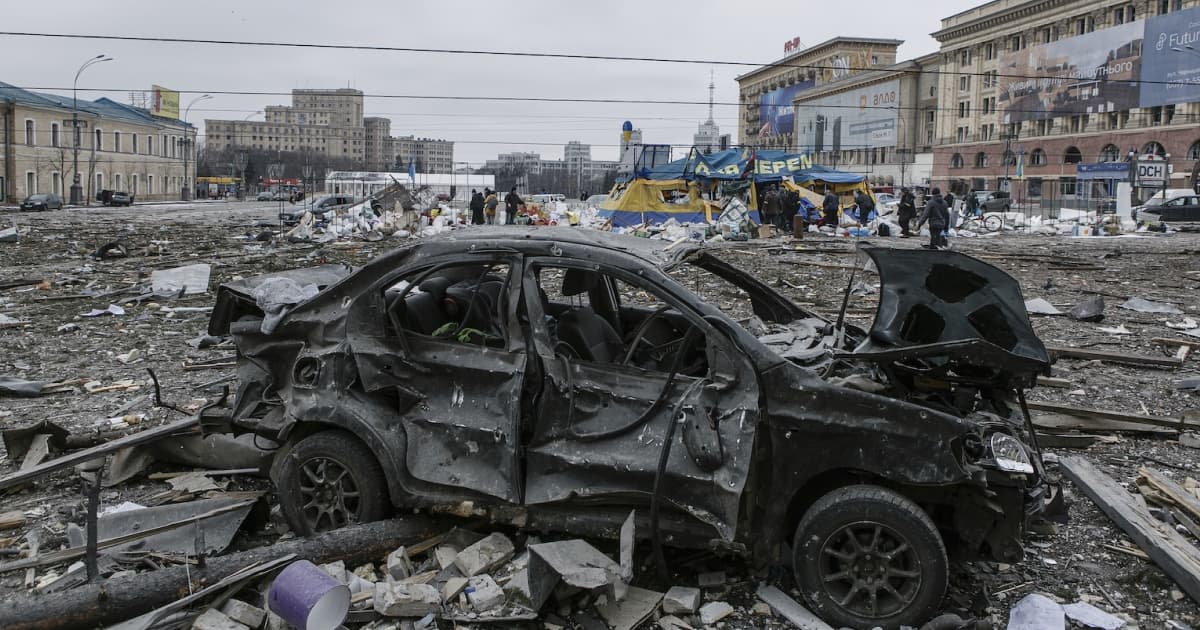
711 86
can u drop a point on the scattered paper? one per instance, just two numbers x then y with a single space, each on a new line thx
1187 324
112 309
1115 330
1146 306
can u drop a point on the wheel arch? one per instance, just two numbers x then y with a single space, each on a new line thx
362 432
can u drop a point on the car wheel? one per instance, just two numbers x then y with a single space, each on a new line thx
865 556
993 223
329 480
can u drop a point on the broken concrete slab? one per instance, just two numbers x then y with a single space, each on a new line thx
1039 306
1090 616
681 600
399 566
1089 310
13 386
189 279
213 619
574 562
452 588
629 613
444 555
243 613
219 529
713 612
484 594
484 555
406 600
790 609
1142 305
711 579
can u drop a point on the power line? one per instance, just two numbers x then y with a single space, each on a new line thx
546 55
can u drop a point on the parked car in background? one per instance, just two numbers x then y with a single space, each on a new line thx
1159 198
114 198
887 201
42 201
318 207
595 201
265 195
993 201
1180 213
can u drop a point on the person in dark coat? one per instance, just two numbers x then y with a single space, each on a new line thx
770 206
906 212
972 202
866 206
476 207
791 205
511 202
938 215
829 208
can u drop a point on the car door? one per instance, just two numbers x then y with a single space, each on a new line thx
1172 210
442 347
597 429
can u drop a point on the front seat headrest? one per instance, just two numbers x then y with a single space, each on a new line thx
579 281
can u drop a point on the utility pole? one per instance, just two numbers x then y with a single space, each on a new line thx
76 182
186 193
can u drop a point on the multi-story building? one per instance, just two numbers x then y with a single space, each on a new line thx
765 114
1040 96
121 147
431 155
879 123
331 123
576 173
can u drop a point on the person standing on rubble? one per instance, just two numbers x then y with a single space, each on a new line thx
476 207
491 202
907 211
791 206
512 201
770 206
829 207
865 204
938 215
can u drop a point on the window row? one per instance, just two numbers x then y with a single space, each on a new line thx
169 146
1072 155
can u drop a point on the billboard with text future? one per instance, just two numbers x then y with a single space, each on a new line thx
1171 59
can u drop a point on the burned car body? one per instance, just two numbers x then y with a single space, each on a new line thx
558 378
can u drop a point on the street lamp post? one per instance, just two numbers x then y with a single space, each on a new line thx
186 193
76 180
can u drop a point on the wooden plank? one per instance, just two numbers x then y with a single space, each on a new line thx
1064 422
1177 557
1164 341
1050 381
133 439
1113 357
1164 485
1087 412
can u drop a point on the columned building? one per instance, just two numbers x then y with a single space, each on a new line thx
766 94
1046 98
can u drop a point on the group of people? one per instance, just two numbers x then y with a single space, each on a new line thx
485 207
831 205
779 207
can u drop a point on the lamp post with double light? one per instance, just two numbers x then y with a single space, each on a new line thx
76 181
186 193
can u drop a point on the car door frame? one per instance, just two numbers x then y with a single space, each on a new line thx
563 467
456 455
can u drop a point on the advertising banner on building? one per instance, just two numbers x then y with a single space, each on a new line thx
857 119
775 112
1171 59
165 103
1088 74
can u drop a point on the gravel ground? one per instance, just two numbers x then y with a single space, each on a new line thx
1070 564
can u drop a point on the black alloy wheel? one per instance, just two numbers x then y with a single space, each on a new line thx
329 480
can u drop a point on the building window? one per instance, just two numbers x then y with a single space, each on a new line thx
964 83
1110 153
1072 156
1130 13
1194 151
1016 42
964 109
956 160
163 145
54 134
117 141
99 143
56 183
964 57
149 145
133 182
981 160
134 141
1066 186
150 185
1119 15
1009 158
1154 148
29 129
30 183
1046 35
117 181
989 51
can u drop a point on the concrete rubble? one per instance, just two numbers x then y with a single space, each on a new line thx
78 339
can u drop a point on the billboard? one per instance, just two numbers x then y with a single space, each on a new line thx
1087 74
857 119
1170 59
164 103
775 109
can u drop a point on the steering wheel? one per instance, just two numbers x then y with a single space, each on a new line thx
656 352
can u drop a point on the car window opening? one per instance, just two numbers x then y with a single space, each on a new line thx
462 303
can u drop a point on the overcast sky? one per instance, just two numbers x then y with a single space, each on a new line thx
701 29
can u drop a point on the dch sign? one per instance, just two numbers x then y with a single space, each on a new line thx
1151 173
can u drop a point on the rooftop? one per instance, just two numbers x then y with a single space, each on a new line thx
102 106
825 45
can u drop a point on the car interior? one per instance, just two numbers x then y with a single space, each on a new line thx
461 302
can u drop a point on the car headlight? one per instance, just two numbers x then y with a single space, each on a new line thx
1010 455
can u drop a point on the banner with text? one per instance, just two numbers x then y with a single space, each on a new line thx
775 113
165 103
1171 59
857 119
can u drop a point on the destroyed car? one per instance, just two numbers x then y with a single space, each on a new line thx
557 379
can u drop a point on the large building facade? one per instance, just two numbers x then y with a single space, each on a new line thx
766 94
1040 96
121 147
880 123
330 123
573 175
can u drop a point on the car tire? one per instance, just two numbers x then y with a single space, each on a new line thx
329 480
864 539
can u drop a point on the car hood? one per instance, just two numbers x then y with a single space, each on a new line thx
235 299
940 303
